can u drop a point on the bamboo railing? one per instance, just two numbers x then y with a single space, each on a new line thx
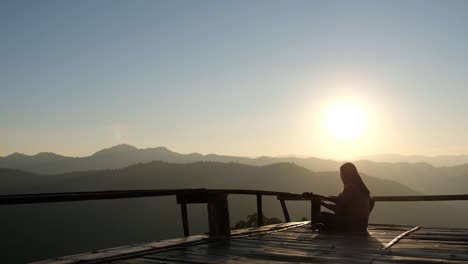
216 200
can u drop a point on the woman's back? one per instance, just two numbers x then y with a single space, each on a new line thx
353 209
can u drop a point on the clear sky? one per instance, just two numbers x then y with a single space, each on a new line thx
233 77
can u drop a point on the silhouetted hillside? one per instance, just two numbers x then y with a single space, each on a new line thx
16 181
157 174
421 177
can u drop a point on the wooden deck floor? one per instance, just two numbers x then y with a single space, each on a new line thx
294 243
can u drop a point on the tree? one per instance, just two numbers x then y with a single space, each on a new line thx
251 221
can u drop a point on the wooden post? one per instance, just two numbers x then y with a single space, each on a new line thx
259 210
218 214
285 211
183 210
314 209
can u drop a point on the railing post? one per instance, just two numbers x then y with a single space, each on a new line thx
183 210
315 209
259 210
218 214
285 211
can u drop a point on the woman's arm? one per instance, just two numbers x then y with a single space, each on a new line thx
331 207
329 199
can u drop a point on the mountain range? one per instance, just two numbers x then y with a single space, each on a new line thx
421 177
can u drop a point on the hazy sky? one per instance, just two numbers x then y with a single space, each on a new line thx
233 77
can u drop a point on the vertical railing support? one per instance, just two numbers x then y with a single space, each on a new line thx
218 214
183 210
285 211
218 210
314 209
259 210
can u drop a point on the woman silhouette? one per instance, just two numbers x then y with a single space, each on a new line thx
352 207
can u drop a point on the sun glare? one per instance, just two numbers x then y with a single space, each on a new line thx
346 121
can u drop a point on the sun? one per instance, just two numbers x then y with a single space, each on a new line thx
346 121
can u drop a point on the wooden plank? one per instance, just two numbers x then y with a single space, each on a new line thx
413 260
117 194
193 196
55 261
109 255
407 198
266 229
80 196
399 237
122 194
421 198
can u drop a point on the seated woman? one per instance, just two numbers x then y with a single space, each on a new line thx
351 208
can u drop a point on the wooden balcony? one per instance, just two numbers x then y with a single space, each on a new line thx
290 242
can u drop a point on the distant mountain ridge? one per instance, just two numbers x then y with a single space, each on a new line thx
123 155
421 177
122 148
437 161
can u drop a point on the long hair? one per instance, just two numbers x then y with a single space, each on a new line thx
351 178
